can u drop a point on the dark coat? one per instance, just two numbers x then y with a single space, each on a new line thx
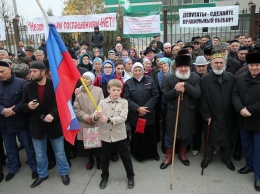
20 52
143 93
39 128
11 94
233 65
44 49
216 104
97 40
246 94
186 123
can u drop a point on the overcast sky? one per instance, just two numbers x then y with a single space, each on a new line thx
29 8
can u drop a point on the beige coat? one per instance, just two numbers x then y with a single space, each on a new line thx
84 107
117 111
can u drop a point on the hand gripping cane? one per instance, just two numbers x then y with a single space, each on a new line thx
205 151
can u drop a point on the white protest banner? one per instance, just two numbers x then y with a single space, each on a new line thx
75 23
141 25
2 31
209 16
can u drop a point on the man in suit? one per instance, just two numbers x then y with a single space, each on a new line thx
21 50
40 102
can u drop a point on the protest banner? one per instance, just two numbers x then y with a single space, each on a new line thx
138 25
2 31
209 16
75 23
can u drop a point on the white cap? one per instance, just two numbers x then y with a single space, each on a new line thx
201 60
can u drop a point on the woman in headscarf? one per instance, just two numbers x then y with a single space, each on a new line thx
84 108
102 80
148 70
85 62
97 67
132 53
142 94
128 64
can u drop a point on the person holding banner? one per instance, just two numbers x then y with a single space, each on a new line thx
142 94
84 109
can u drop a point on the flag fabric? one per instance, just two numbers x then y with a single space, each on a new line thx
64 76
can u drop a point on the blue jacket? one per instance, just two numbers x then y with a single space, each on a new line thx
11 94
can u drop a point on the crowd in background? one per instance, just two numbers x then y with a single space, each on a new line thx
217 81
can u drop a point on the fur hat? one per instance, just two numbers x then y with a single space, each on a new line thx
37 65
21 70
253 57
220 47
182 60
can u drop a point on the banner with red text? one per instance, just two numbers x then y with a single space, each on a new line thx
2 31
209 16
138 25
75 23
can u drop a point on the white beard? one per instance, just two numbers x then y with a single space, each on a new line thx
218 72
181 76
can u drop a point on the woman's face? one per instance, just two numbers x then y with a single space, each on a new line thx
147 65
128 66
83 52
119 69
87 80
132 53
107 69
85 60
138 72
97 66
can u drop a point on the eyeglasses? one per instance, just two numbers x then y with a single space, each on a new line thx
96 51
107 67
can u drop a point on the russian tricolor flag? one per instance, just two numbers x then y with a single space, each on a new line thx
64 76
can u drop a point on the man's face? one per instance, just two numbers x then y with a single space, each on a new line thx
37 75
3 56
167 49
84 46
175 50
183 69
119 47
118 39
254 69
234 47
111 56
154 45
242 55
218 65
196 46
76 45
248 42
241 39
5 73
96 52
119 69
42 42
75 62
39 57
150 55
28 53
201 69
21 44
215 41
189 49
203 41
208 57
180 44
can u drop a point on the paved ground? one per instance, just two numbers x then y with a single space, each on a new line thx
149 179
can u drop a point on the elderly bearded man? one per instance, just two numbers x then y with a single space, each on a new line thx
246 101
216 108
186 82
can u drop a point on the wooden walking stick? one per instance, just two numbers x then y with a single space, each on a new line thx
180 97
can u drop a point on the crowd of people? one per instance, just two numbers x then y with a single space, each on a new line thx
209 87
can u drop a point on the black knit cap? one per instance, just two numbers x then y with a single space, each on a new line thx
37 65
4 64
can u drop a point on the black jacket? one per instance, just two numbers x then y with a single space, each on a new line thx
246 93
97 40
233 65
143 93
39 128
186 125
216 104
11 94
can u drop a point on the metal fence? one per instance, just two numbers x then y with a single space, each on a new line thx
249 25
